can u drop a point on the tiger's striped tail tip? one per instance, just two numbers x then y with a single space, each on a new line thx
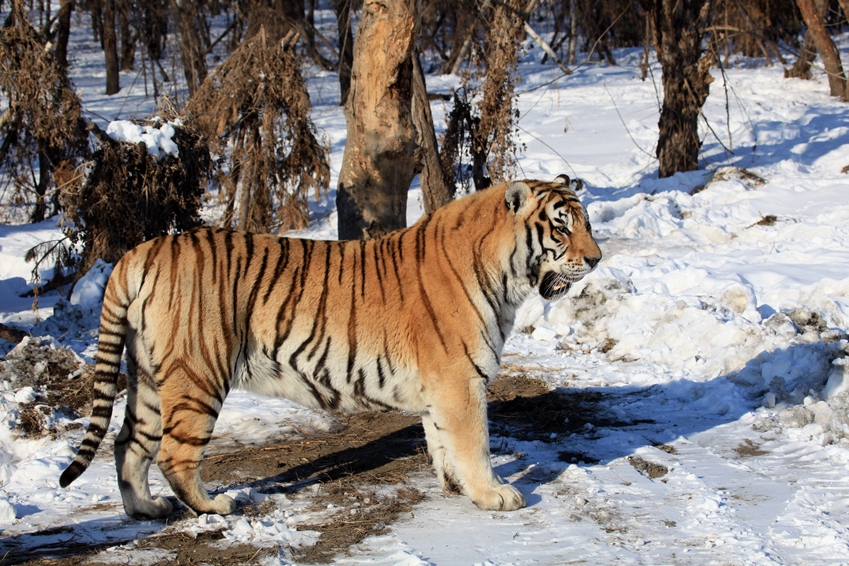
71 473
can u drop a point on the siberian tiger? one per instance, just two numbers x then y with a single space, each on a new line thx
414 321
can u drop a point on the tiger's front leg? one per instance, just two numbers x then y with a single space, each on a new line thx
458 440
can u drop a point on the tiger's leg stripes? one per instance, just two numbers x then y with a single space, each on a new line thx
187 425
137 444
458 410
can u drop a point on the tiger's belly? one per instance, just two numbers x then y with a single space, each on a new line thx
330 382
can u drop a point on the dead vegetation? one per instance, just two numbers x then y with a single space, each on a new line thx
42 125
254 111
651 469
61 381
129 196
479 143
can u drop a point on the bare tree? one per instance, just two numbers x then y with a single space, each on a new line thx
110 48
826 48
42 117
254 109
128 38
346 46
63 32
190 26
380 159
679 27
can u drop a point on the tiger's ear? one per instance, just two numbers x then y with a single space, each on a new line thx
576 185
517 196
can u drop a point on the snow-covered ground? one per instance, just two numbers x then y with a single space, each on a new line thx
713 338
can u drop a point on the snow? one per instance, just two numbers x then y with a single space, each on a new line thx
711 340
158 141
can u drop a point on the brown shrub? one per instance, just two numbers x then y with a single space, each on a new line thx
42 124
254 109
128 196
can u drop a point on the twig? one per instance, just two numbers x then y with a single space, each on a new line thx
623 122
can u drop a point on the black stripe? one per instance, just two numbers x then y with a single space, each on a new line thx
279 268
352 336
377 271
478 369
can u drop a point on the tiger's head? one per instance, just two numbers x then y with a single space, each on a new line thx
561 248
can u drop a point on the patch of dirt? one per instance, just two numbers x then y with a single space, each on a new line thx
343 529
768 220
668 448
651 469
523 407
748 449
576 457
752 180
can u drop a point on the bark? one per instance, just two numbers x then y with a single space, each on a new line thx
801 68
825 47
679 30
192 48
12 334
435 190
110 48
380 159
63 32
128 38
346 47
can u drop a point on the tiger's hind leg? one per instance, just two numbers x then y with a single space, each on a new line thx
137 445
188 418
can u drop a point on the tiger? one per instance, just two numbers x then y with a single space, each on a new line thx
413 321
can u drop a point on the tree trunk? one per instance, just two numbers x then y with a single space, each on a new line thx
39 211
825 46
63 32
435 191
192 48
679 29
110 48
346 47
801 68
128 38
380 158
96 22
573 32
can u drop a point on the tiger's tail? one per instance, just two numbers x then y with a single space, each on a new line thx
113 331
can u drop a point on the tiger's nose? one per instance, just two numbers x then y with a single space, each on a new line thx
592 261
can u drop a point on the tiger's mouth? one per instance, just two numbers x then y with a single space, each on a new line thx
555 285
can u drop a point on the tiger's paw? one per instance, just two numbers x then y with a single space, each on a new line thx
223 505
158 508
501 498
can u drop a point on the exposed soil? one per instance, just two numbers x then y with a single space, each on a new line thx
366 466
651 469
748 449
